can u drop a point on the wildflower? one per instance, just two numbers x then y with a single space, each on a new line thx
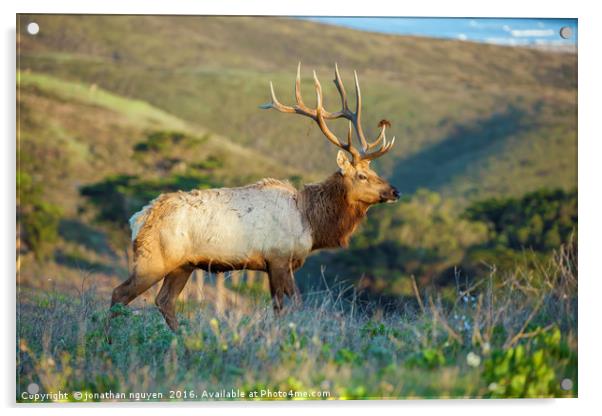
473 359
292 325
486 347
493 387
214 324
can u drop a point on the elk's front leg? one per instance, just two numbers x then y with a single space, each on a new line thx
282 282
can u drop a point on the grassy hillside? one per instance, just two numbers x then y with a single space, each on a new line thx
70 131
472 120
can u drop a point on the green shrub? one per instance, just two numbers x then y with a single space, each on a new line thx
540 221
162 141
427 358
159 141
39 219
532 370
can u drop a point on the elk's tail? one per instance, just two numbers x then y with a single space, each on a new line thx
138 219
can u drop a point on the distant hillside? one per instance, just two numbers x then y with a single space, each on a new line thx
72 134
471 120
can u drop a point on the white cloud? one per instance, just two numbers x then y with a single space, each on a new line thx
506 28
462 36
532 32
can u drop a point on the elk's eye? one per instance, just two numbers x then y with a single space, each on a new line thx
362 177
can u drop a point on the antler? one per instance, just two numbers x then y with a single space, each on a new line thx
320 115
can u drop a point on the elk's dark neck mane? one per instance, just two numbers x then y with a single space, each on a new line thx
330 215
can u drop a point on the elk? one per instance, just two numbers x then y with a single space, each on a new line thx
268 226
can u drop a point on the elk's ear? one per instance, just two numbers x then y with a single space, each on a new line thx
344 164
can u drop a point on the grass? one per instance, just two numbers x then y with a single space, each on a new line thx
139 111
507 336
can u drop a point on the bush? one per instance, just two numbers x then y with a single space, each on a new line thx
39 219
539 221
162 141
159 141
529 370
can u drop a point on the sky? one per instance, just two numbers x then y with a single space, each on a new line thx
510 31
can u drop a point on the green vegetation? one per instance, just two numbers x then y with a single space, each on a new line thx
71 91
539 221
529 371
39 219
516 339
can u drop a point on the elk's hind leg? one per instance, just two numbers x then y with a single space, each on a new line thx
282 282
173 284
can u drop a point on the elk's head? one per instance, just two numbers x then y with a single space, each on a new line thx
361 182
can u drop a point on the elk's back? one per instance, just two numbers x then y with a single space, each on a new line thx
227 225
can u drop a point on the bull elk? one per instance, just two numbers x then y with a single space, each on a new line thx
268 226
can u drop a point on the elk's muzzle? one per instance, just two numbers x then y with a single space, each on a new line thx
391 195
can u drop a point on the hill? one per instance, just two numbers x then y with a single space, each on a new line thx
472 120
75 132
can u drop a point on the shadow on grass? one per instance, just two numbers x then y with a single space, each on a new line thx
76 231
77 262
